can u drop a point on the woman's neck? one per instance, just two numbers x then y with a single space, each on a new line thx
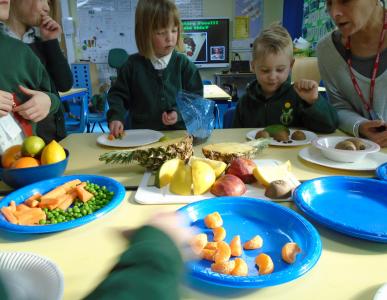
16 26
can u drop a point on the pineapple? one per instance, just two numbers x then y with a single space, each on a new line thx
228 151
152 156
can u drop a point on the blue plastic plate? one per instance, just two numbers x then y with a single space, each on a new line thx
44 186
351 205
381 171
248 217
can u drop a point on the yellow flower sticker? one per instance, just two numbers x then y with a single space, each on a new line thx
287 105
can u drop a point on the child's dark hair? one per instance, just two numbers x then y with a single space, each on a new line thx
152 15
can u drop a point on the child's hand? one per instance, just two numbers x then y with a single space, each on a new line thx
49 29
36 108
116 128
6 103
169 118
307 90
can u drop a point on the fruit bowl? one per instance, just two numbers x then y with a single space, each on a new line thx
17 178
327 148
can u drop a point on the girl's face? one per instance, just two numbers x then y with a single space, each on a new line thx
350 16
272 71
164 40
30 12
4 9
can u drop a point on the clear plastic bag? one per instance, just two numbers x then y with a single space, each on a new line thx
198 114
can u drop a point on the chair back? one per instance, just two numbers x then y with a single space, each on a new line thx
306 68
117 57
228 117
206 82
79 126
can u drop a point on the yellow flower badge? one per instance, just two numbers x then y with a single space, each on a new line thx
286 117
287 105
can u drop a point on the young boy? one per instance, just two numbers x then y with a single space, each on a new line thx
22 78
272 99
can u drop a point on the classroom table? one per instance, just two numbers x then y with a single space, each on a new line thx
214 92
349 268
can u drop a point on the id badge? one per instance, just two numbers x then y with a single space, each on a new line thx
374 115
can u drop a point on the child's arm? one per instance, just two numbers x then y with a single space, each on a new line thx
6 102
307 90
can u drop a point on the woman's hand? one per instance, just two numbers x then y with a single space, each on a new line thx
375 130
36 108
116 128
307 90
49 29
6 103
169 118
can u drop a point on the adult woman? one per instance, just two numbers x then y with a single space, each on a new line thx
353 65
25 17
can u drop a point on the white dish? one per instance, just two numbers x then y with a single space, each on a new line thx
310 136
369 163
30 276
132 138
147 193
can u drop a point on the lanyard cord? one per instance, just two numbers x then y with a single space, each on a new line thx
367 105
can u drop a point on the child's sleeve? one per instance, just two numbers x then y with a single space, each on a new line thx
321 116
45 86
192 81
237 121
150 269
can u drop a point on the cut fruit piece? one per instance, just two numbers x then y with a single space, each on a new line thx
218 166
226 152
181 181
167 171
276 128
267 174
203 177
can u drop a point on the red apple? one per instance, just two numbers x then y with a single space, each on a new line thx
228 185
242 168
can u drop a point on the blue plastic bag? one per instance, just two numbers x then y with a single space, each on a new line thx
198 114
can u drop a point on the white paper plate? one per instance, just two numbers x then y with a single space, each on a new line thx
369 163
310 136
27 276
147 193
132 138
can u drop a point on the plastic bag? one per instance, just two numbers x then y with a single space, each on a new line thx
198 114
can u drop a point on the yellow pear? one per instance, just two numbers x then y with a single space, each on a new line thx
267 174
167 171
52 153
218 166
203 177
181 181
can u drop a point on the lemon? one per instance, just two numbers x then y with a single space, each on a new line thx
217 166
167 171
32 146
203 177
267 174
181 181
52 153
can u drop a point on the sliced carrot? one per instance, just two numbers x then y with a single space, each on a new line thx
67 200
31 216
8 214
34 197
60 190
21 208
51 203
12 206
32 203
83 195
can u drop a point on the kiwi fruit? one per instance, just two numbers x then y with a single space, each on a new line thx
298 135
262 134
346 145
359 144
278 189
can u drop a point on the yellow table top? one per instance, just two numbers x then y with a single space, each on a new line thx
214 92
72 91
349 268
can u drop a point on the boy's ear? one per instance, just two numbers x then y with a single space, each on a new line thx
252 68
292 63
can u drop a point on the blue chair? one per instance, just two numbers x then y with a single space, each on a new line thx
79 125
98 118
228 117
206 82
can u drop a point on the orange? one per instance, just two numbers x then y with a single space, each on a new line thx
25 162
10 156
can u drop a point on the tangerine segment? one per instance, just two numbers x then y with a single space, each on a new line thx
241 268
223 253
224 267
255 243
211 245
236 246
289 252
219 234
208 254
213 220
198 242
25 162
264 263
10 156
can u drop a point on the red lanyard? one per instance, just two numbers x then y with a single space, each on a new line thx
368 105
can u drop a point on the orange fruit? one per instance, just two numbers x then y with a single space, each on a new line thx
25 162
11 155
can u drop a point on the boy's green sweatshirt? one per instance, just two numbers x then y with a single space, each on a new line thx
146 92
284 107
150 269
20 66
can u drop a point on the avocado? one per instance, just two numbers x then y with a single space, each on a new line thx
275 129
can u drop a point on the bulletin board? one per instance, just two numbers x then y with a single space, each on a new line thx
316 21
